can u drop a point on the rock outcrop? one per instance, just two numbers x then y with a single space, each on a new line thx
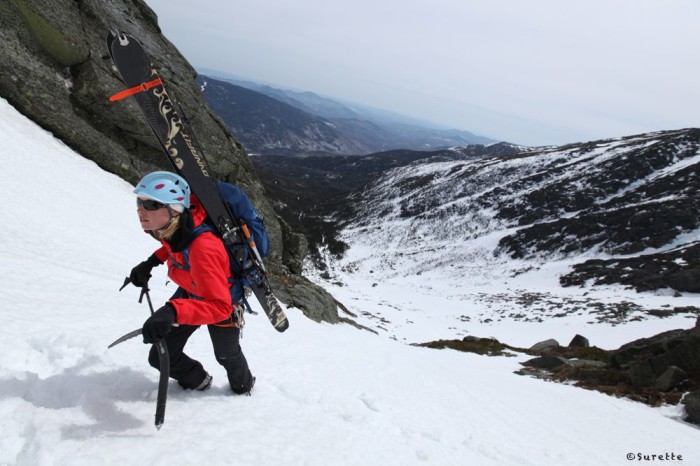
664 368
55 69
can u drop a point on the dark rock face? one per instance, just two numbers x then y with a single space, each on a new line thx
648 359
55 69
643 349
678 269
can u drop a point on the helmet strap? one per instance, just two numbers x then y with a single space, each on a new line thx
171 217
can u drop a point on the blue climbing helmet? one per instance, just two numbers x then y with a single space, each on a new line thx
166 188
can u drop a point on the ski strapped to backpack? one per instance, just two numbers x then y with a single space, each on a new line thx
147 89
236 282
238 203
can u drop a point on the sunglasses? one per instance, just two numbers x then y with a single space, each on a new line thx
149 204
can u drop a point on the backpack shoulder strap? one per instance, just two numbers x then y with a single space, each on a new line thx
186 252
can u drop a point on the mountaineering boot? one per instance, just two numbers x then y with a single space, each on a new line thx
206 383
245 391
252 384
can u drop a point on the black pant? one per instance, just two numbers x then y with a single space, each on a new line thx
190 373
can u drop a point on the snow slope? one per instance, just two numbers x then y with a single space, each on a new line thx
432 244
326 395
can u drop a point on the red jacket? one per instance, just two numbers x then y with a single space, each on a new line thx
207 278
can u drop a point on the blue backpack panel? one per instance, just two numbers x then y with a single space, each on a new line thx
241 208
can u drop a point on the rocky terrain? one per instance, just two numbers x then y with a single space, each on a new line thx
675 268
55 69
627 209
662 369
308 189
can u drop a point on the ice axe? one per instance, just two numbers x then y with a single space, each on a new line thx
163 358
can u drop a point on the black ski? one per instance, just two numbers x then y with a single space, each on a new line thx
178 142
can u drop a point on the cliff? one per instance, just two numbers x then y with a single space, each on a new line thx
55 69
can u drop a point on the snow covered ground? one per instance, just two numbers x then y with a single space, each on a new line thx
488 298
326 395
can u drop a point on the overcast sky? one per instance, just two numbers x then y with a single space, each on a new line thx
533 72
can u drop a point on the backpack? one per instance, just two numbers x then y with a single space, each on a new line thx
240 206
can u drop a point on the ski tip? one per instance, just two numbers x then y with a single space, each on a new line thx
159 425
112 36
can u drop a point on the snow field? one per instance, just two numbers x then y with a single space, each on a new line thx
325 395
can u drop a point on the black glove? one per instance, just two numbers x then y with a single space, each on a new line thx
159 324
140 274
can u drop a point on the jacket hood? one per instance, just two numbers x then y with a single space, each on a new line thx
189 220
197 211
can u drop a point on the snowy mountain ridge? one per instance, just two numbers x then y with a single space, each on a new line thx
469 246
613 198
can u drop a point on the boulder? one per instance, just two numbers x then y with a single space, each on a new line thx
670 379
643 348
579 342
648 359
691 401
545 345
642 374
685 280
546 362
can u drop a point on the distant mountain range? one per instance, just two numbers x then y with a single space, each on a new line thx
268 120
